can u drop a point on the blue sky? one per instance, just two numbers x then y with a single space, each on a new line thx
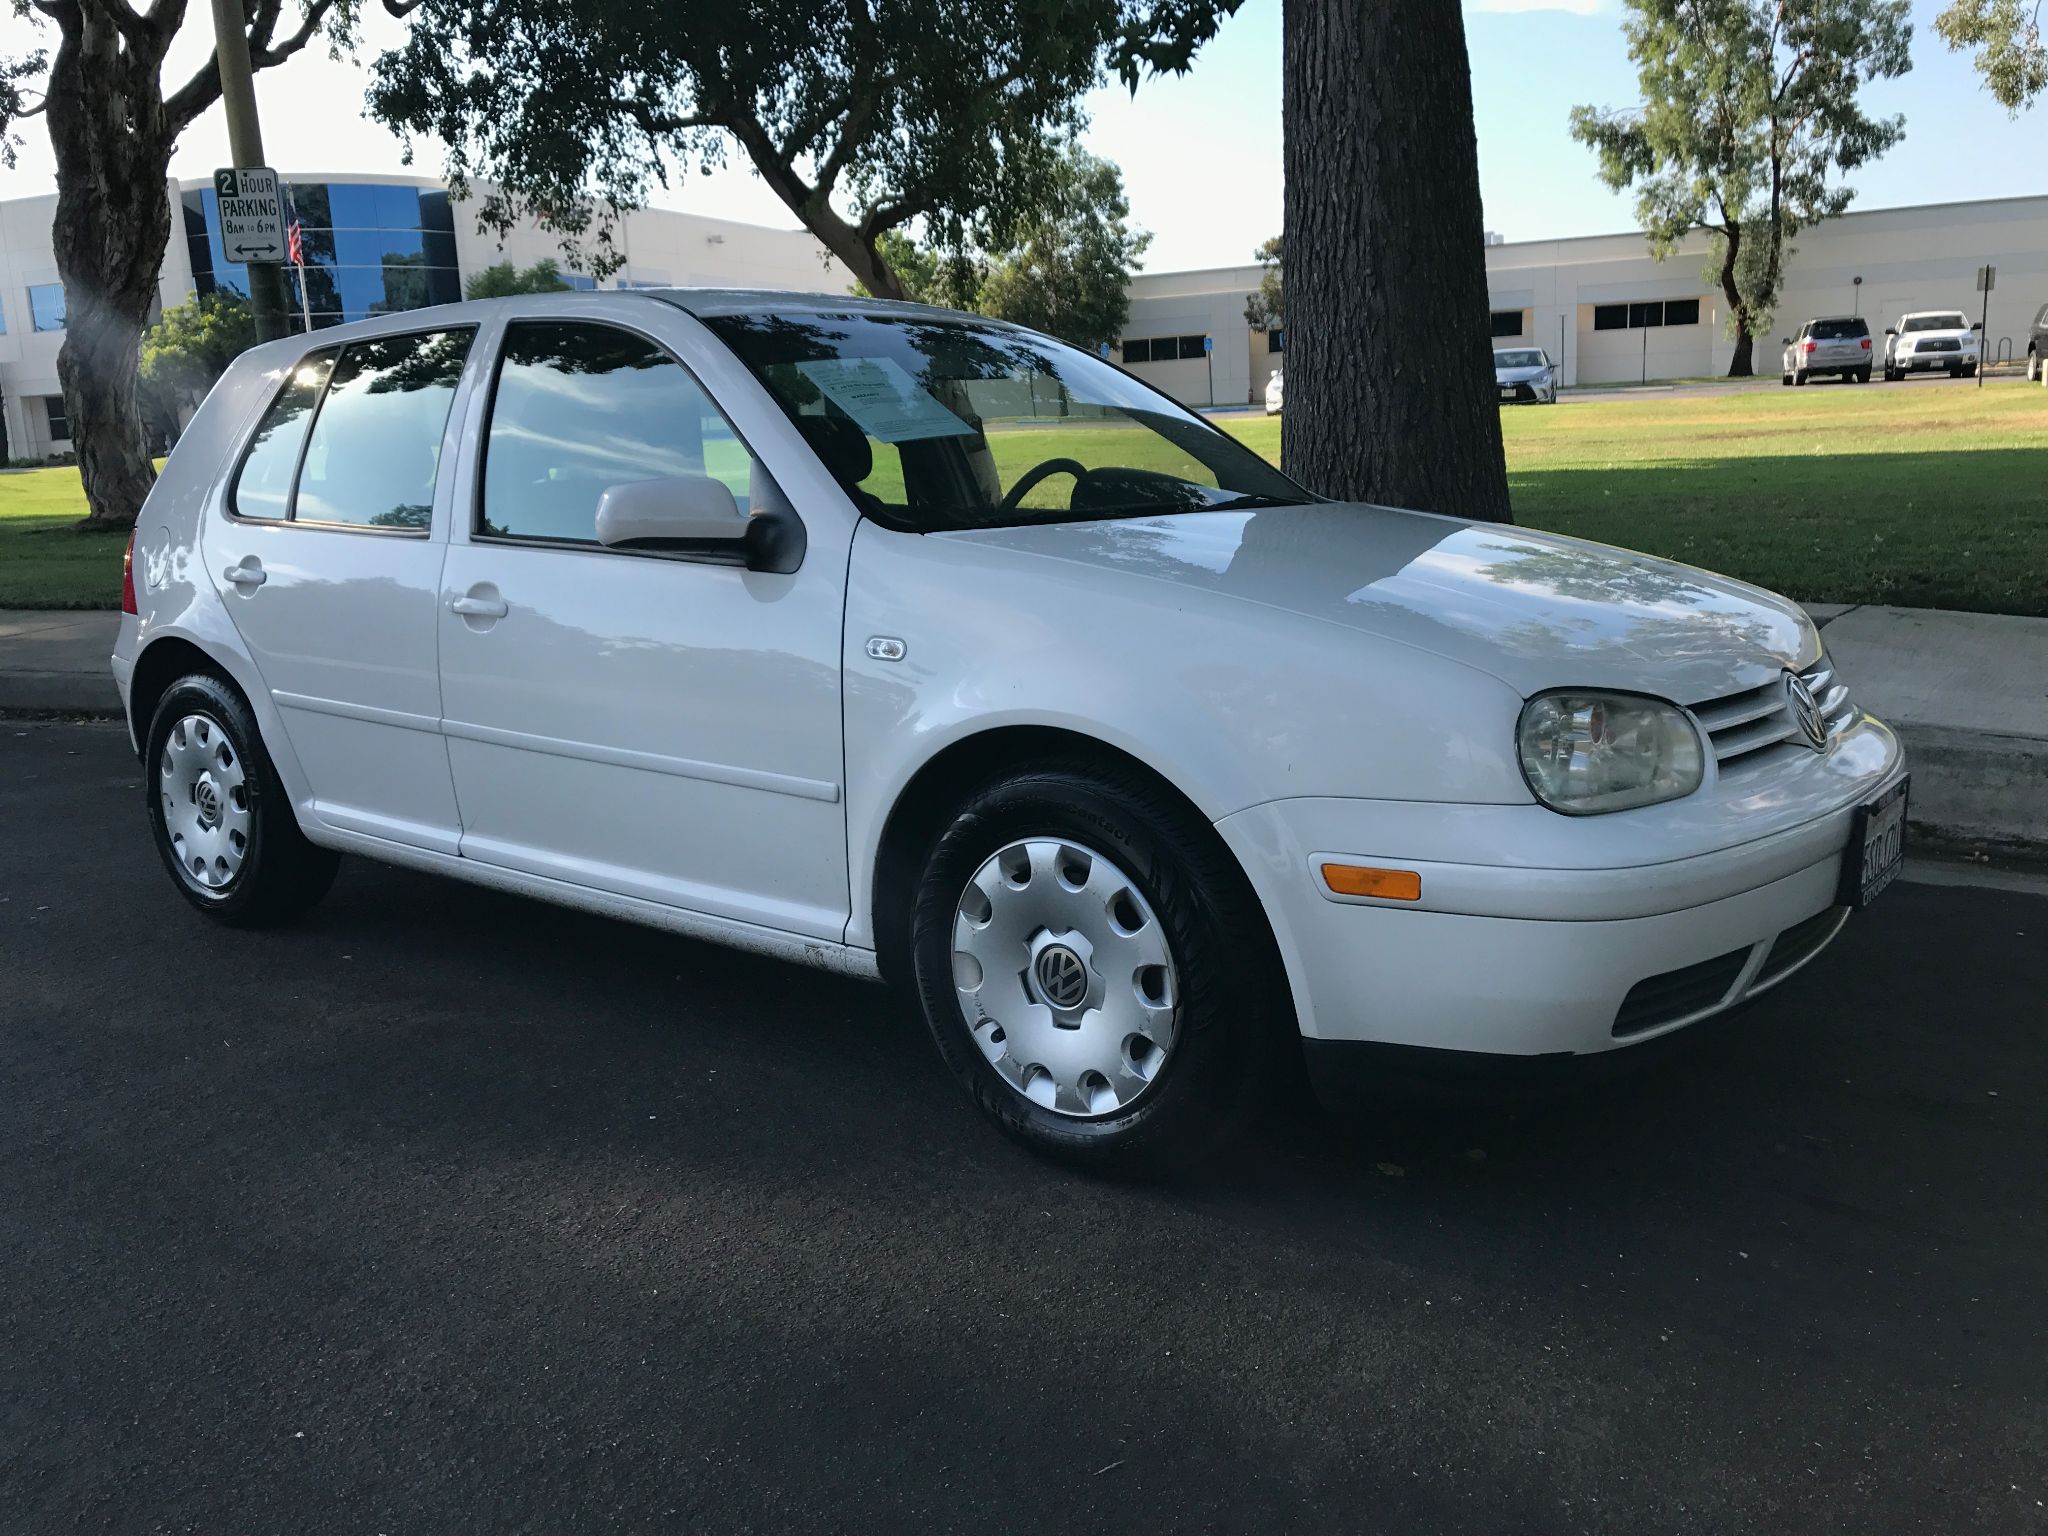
1201 152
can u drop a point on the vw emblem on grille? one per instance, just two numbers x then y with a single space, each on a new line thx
1806 712
1062 978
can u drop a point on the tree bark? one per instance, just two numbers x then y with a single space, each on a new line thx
1390 390
113 221
1741 362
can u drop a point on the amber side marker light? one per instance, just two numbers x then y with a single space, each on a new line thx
1386 884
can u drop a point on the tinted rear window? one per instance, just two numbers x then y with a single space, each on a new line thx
1837 330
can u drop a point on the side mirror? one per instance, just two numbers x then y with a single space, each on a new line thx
1890 331
679 514
1784 341
1976 325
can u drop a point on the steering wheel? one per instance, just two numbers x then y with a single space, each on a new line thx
1038 472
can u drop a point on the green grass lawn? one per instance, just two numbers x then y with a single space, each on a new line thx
1929 494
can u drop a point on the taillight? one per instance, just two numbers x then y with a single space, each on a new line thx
1810 347
128 575
1866 343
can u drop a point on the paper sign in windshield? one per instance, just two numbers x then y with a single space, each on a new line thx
884 401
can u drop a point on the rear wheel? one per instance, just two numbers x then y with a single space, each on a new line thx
1799 378
1863 375
1095 971
1785 379
2033 367
221 820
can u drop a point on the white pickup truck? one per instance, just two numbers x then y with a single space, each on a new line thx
1932 339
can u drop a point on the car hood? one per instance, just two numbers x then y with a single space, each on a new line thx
1519 375
1533 609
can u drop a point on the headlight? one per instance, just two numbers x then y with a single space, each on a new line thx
1584 753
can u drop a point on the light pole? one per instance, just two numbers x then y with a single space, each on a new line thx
1856 286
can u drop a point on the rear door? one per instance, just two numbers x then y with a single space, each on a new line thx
327 549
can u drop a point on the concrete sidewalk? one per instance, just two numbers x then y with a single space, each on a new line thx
1967 691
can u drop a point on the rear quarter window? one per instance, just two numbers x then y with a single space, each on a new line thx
263 489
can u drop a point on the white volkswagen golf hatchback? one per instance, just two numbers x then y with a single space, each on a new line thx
907 643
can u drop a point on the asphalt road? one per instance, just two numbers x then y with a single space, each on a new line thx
451 1212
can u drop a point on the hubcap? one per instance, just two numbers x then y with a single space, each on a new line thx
1064 976
205 799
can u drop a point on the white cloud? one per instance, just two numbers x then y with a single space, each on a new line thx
1516 7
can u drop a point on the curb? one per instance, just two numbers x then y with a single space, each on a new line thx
59 693
1978 789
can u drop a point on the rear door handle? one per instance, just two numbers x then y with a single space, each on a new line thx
249 573
479 607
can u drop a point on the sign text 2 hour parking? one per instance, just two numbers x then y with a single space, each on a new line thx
251 214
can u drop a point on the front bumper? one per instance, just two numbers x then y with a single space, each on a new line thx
1509 955
1933 362
1525 392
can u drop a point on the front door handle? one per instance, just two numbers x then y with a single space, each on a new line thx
249 573
479 607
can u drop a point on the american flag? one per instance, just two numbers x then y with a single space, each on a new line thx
295 244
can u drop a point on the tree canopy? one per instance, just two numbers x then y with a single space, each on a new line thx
1749 109
502 280
188 349
2011 55
863 118
1266 309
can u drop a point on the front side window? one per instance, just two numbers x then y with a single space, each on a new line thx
375 448
580 408
264 487
1530 357
46 306
935 424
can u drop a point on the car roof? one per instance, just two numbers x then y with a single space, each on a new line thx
1832 319
707 303
1916 314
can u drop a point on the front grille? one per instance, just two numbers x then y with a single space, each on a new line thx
1678 994
1741 724
1800 943
1938 344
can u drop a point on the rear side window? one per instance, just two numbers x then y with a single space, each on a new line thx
580 408
1838 330
375 448
264 487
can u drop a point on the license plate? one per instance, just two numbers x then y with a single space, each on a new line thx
1506 392
1877 848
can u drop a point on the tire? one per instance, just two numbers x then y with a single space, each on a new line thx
1862 375
1969 370
1202 1032
1785 379
2033 367
1799 378
220 819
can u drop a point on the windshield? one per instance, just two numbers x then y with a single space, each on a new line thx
1524 359
933 424
1935 323
1837 330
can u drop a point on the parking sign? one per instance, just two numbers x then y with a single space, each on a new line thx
251 214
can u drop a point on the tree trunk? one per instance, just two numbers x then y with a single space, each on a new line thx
1390 391
112 223
1741 362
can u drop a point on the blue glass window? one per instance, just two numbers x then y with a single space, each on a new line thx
3 320
580 281
398 207
353 204
46 306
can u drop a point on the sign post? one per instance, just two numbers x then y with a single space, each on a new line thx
245 148
1987 279
1209 356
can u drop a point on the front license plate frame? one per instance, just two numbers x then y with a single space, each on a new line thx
1877 847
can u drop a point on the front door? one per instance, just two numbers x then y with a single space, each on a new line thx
325 553
653 726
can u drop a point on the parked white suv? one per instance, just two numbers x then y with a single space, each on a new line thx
1933 340
903 642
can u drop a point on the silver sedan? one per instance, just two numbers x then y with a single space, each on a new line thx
1525 375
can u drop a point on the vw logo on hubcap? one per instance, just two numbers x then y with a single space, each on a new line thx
1062 978
209 802
1806 712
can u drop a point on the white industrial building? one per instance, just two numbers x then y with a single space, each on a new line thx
1608 312
373 244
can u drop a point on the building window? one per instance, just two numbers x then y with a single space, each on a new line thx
1276 339
60 424
1507 322
1645 315
1191 346
3 320
46 306
1136 351
1164 349
582 282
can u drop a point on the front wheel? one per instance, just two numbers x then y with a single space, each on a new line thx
2033 367
1095 970
1799 378
221 820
